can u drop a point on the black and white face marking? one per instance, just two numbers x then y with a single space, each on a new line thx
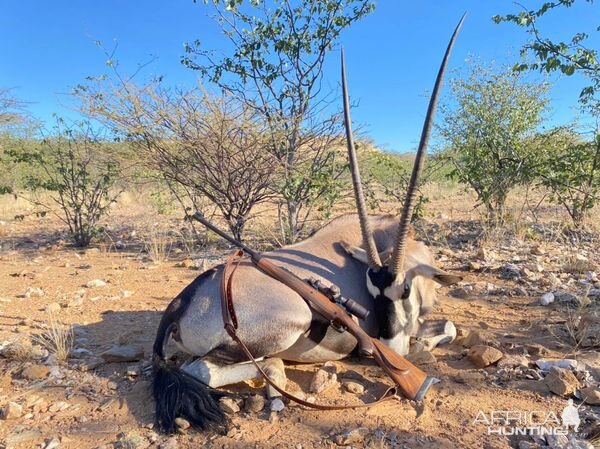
383 283
392 308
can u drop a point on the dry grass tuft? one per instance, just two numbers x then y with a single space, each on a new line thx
56 337
576 264
158 245
581 327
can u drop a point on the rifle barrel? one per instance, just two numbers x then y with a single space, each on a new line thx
197 216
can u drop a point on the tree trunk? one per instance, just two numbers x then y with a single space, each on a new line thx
292 222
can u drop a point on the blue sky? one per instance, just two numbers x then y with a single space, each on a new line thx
392 56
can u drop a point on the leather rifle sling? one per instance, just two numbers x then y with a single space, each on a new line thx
231 324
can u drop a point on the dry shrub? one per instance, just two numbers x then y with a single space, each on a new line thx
581 329
158 245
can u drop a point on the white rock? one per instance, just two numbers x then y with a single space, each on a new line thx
547 298
547 364
53 443
277 405
95 283
34 292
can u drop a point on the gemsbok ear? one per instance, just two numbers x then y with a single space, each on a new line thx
355 251
440 276
361 255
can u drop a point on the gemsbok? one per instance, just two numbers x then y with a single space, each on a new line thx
276 324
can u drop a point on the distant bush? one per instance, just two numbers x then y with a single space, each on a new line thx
488 130
389 174
570 170
75 165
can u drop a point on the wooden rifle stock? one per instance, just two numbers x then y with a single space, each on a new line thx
412 382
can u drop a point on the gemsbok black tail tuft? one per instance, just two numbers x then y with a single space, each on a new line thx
176 393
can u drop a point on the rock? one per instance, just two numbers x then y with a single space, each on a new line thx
536 349
460 293
133 370
118 354
53 308
519 291
547 298
561 381
255 403
96 283
12 410
472 338
528 445
58 407
35 372
229 405
566 297
353 436
169 443
132 441
474 266
277 405
186 263
422 358
594 293
76 302
52 443
537 250
483 356
513 361
182 423
548 364
126 293
509 271
33 292
469 377
353 387
557 441
590 395
324 379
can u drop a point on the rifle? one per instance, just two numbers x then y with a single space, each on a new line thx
411 381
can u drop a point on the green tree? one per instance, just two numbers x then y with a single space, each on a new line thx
570 170
571 56
76 166
487 130
275 65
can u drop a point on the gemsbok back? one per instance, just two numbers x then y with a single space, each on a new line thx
276 324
